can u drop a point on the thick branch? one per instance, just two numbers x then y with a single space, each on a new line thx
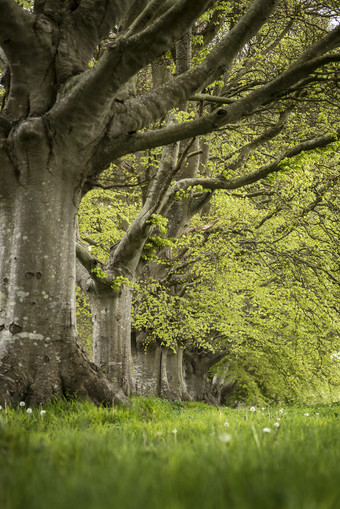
143 110
230 114
211 98
27 46
85 258
98 87
82 30
13 25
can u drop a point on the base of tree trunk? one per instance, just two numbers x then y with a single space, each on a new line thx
49 370
157 370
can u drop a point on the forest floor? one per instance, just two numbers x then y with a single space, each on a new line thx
150 455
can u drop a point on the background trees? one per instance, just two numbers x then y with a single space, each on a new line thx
164 320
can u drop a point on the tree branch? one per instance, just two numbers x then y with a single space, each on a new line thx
234 183
98 87
141 111
85 258
230 114
211 98
19 42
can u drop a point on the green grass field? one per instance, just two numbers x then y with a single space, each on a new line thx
156 455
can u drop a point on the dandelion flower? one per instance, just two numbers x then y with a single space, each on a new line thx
174 431
266 430
281 410
317 413
42 412
0 407
226 424
225 437
276 424
22 403
29 410
252 409
307 414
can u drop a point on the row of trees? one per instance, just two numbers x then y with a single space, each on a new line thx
87 85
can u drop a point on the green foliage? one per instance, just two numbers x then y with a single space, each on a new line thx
84 321
185 455
103 218
121 280
159 222
99 273
263 285
27 4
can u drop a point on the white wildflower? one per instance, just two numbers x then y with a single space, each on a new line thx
281 410
42 412
29 410
276 424
266 430
307 414
22 403
252 409
225 437
226 424
174 431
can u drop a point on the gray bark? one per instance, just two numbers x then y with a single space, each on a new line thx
197 377
39 352
158 370
111 315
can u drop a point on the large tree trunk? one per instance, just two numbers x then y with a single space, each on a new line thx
198 382
158 370
111 315
146 366
39 353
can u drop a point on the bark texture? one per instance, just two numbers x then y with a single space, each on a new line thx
158 370
39 353
111 315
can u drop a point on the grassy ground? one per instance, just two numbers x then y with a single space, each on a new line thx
154 455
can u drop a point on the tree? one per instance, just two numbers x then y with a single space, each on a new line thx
178 204
62 123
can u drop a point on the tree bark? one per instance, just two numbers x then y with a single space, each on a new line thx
39 353
199 384
111 316
158 370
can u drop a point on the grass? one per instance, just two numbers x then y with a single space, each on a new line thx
79 456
